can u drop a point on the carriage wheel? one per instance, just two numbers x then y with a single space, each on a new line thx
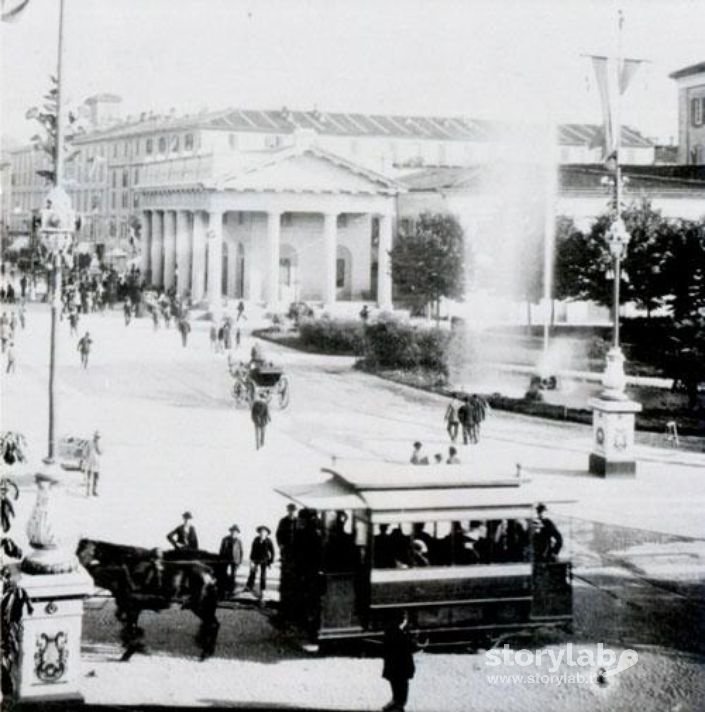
283 392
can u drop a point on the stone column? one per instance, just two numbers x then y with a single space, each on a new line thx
198 256
272 264
384 277
169 248
146 243
183 252
157 248
330 229
215 264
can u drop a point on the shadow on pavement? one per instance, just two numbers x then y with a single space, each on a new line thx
207 704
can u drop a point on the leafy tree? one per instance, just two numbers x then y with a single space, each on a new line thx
684 270
430 263
46 117
583 260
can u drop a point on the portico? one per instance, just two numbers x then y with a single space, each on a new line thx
301 224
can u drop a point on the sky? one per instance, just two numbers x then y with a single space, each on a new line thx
512 59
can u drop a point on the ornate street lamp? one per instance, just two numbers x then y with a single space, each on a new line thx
614 380
58 224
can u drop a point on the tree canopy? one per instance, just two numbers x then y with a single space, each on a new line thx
430 263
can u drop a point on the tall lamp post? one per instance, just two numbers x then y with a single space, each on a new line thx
613 412
58 222
49 661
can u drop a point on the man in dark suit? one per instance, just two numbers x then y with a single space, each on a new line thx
231 553
548 541
286 530
184 536
261 557
260 417
398 653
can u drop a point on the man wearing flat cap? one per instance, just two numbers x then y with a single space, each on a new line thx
184 536
231 554
261 557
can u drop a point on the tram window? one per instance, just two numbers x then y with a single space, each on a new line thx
450 543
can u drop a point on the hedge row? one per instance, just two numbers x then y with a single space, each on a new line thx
395 344
332 336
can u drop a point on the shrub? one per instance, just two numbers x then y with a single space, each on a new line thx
332 336
393 344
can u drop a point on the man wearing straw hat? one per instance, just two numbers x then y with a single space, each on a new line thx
261 557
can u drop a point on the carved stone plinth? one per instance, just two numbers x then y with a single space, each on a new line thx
50 645
613 437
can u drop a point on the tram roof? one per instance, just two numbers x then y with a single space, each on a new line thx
394 492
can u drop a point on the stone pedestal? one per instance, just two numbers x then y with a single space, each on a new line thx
613 437
50 646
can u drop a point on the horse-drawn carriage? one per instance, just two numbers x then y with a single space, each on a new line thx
259 380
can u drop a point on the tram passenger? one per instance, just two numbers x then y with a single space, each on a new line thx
340 551
401 548
430 544
417 457
548 541
308 550
419 553
479 541
384 549
286 531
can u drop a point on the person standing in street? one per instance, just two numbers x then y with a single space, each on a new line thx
155 317
465 418
84 347
127 311
184 330
213 335
10 357
21 313
261 557
261 418
91 464
286 531
4 331
451 419
240 311
184 536
398 650
231 554
548 541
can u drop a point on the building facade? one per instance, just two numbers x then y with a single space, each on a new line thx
272 206
691 114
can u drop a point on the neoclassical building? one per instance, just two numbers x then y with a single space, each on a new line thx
277 226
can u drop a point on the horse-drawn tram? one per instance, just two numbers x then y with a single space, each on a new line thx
464 556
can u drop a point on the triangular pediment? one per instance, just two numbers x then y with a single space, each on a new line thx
308 170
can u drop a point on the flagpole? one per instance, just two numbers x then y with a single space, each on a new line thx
59 160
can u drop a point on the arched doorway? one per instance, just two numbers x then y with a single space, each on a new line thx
288 274
343 273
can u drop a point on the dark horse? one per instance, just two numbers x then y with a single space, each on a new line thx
143 579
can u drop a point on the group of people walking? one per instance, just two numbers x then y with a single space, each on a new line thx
465 415
8 332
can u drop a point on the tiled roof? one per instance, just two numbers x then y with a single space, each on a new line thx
285 121
572 177
698 68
